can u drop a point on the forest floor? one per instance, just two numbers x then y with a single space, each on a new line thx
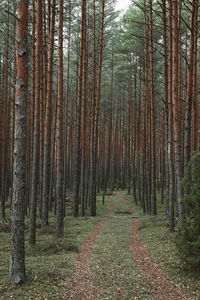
120 254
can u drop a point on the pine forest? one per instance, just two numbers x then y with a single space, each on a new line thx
99 149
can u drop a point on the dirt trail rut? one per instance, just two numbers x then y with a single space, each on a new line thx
164 288
79 287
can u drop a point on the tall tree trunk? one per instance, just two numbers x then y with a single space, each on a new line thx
166 166
190 84
34 171
17 261
77 173
59 128
5 139
92 166
66 110
170 128
47 127
153 135
96 120
129 133
135 140
176 115
83 129
108 159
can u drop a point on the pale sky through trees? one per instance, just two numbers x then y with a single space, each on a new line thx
122 4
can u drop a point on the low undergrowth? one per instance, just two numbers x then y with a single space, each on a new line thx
115 274
50 261
159 242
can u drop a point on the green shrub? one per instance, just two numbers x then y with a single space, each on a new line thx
188 237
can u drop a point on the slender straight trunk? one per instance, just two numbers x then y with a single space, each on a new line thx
70 142
83 129
88 153
5 123
114 143
138 139
176 115
47 128
163 154
59 128
34 171
135 141
165 88
96 119
77 173
146 170
144 159
170 128
129 134
17 260
190 84
32 92
195 114
41 113
66 110
53 157
108 158
153 136
92 166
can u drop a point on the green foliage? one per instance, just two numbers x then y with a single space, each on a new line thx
188 237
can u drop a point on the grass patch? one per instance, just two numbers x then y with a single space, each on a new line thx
107 193
115 274
120 207
50 261
159 242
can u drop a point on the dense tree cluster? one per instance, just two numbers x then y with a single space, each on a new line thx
108 102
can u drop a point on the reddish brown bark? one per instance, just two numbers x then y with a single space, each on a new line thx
153 136
17 261
170 127
191 86
77 173
47 126
96 119
59 131
36 132
176 114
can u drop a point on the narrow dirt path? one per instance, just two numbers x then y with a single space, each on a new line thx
163 286
79 287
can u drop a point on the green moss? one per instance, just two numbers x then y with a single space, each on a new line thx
159 242
116 275
50 261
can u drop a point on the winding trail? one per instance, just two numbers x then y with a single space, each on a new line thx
163 286
79 287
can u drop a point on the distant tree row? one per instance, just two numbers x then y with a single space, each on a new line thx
159 42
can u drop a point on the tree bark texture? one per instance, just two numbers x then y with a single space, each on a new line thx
17 258
59 131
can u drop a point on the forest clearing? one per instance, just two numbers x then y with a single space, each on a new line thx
99 149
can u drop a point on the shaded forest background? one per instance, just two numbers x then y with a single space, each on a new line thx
112 103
